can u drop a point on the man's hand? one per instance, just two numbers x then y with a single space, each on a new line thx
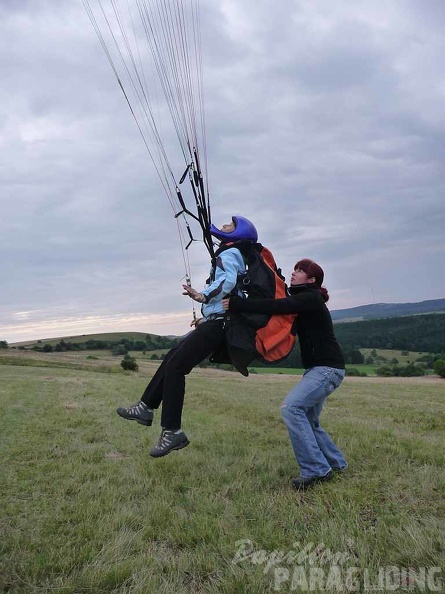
197 322
194 294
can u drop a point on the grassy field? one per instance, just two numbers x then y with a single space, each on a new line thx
84 509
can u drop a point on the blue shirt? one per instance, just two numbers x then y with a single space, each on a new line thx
229 264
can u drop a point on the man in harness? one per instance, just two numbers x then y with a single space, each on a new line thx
168 383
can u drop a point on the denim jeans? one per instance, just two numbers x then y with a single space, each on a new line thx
314 450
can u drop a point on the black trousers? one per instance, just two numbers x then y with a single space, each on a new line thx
168 383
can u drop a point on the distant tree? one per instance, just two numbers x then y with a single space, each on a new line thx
385 371
412 370
409 370
4 344
120 349
428 360
47 348
129 363
353 371
352 355
394 361
139 345
439 367
154 357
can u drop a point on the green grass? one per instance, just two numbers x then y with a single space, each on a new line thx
84 509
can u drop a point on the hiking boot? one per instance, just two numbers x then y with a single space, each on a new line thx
169 441
137 412
302 483
340 469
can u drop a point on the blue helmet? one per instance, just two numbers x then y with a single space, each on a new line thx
244 230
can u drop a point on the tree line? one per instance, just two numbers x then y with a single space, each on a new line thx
421 333
152 342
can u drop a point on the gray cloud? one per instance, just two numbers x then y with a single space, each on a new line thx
325 125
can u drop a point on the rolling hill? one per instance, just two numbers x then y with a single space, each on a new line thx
388 310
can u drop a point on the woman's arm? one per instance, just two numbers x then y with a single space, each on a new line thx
289 305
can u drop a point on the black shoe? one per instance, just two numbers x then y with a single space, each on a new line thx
169 441
338 469
137 412
302 483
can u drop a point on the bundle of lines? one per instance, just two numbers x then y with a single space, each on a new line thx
154 49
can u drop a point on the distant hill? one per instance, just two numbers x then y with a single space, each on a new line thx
387 310
389 333
425 333
132 341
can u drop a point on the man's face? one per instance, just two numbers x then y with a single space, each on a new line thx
228 227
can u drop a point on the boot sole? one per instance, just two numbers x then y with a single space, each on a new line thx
176 447
140 421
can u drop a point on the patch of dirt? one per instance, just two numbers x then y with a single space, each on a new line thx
116 456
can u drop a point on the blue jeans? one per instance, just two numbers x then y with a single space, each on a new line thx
314 450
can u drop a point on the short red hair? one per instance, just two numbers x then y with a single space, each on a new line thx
313 270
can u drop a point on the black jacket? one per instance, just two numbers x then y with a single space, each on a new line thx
313 324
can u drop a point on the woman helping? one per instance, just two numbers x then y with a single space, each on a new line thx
315 451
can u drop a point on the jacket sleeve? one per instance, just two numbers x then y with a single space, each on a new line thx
227 267
289 305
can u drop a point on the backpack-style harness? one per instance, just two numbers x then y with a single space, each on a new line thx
252 336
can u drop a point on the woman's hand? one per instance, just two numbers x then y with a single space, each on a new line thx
194 294
226 303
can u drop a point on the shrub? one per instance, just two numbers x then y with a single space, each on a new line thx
384 371
409 370
354 372
129 363
439 367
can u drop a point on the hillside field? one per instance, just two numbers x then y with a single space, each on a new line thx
84 509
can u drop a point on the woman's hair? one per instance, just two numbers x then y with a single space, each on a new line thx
312 269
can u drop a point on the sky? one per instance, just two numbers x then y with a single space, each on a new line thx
325 127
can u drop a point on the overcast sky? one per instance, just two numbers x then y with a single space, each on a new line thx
325 126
